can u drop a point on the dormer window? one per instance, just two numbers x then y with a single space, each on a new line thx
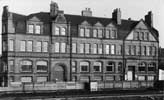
95 31
87 32
100 33
30 28
63 31
57 30
37 29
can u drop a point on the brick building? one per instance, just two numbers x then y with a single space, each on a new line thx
54 46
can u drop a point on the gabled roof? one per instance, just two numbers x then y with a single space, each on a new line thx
123 30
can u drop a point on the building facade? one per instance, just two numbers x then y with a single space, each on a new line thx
53 46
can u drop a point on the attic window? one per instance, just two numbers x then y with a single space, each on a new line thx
37 29
30 28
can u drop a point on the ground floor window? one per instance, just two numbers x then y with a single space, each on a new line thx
84 79
98 78
26 66
110 66
151 67
41 79
109 78
42 66
150 78
97 66
141 78
84 66
142 67
26 79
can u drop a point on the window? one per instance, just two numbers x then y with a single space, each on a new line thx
112 49
37 29
150 78
23 46
120 67
3 28
45 47
41 79
100 33
150 50
57 47
11 45
109 78
84 66
146 36
153 51
119 49
26 66
26 79
73 66
94 48
143 50
110 66
30 28
95 33
63 47
133 50
82 32
87 32
97 66
141 78
63 31
151 67
74 49
128 50
113 34
136 35
29 46
38 46
107 35
4 47
81 48
11 66
57 30
98 78
87 48
107 49
100 46
42 66
142 36
142 67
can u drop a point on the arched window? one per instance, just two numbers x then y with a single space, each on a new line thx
151 67
84 66
63 31
142 67
57 30
97 66
110 66
120 66
42 66
26 66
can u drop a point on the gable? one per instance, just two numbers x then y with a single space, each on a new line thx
85 23
60 19
34 19
98 24
110 25
141 25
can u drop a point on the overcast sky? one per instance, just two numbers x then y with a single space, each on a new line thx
134 9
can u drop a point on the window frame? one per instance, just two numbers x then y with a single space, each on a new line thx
99 64
28 66
87 66
42 65
31 28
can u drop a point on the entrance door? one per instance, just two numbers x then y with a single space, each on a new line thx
131 73
58 74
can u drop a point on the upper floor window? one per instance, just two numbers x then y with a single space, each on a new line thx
11 65
112 49
151 67
11 45
63 47
57 30
87 48
142 67
100 49
133 50
56 46
74 48
42 66
60 47
37 29
74 64
29 46
84 66
100 33
30 28
146 36
63 31
97 66
95 31
141 35
110 66
81 48
136 35
120 67
87 32
45 46
26 66
82 32
4 45
22 45
113 34
107 49
38 46
107 34
94 48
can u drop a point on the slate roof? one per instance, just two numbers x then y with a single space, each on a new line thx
123 29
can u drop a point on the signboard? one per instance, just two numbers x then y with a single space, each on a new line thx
93 86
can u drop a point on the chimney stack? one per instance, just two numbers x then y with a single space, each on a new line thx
53 9
149 18
116 16
5 12
86 12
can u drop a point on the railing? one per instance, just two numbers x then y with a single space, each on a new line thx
49 86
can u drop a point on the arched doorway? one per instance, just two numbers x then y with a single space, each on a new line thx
59 73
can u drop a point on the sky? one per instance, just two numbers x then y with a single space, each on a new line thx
134 9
